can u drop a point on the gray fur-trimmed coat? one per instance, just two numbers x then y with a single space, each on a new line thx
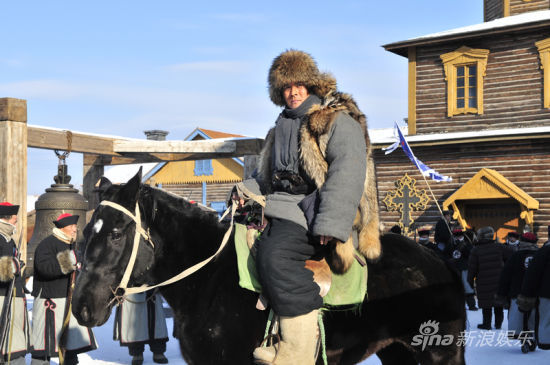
314 138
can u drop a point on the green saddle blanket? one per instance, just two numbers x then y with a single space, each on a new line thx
345 290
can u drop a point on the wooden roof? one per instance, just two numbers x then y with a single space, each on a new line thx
489 184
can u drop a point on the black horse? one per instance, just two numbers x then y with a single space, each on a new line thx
216 321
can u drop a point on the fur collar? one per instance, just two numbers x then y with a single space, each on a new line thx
60 235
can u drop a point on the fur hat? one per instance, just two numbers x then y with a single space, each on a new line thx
486 233
8 208
424 230
458 232
294 66
513 234
529 237
65 220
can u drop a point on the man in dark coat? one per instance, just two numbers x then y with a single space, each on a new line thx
459 254
536 285
54 263
318 149
424 237
511 280
484 267
442 234
10 269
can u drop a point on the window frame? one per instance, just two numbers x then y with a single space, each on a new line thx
544 55
464 56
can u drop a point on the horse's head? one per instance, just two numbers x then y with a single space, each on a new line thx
109 244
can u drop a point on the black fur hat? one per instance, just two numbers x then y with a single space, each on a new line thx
294 66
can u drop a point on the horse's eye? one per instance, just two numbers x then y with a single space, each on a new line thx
116 235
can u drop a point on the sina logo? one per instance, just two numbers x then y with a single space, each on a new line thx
428 336
527 261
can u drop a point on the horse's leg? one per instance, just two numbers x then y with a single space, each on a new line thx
396 354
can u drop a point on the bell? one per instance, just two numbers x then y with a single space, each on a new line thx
59 198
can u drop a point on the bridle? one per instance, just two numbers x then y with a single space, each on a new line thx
122 289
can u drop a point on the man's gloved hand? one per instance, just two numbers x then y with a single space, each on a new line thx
526 304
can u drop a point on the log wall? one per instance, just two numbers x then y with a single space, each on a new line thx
523 162
513 95
524 6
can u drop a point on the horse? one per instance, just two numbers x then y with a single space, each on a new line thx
412 297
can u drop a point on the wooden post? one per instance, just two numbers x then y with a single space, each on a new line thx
93 171
13 161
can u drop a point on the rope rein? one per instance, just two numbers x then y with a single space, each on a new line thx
122 290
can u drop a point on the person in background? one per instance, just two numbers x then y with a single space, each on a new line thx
511 280
424 237
485 264
395 229
54 262
535 294
442 233
512 240
140 320
10 269
460 252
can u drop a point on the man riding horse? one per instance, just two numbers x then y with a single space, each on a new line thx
317 173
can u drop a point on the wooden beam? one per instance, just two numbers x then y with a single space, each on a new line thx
227 148
92 173
56 139
116 150
13 164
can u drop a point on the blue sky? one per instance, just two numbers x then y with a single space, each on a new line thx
122 67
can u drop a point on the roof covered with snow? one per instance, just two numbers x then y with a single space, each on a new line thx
385 136
525 21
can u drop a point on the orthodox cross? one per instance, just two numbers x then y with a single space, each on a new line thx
405 199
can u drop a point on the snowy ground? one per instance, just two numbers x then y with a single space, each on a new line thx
482 348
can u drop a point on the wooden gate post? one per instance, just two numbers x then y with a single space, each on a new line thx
13 161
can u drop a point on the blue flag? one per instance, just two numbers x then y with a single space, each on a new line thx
424 170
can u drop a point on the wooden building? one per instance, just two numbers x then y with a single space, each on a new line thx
206 181
479 111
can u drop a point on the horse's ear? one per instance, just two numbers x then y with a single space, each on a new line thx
129 192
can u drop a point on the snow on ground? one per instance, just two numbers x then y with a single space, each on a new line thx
507 353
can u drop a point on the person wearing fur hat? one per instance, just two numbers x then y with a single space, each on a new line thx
535 294
54 262
10 269
511 280
317 175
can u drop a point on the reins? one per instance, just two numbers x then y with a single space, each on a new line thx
122 290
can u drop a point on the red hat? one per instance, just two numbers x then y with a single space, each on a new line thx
457 232
8 208
65 220
529 237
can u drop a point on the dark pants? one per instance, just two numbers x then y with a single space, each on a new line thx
487 316
156 347
282 250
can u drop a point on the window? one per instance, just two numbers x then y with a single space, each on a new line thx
544 54
203 167
464 72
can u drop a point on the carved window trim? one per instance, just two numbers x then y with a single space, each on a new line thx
544 54
461 57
